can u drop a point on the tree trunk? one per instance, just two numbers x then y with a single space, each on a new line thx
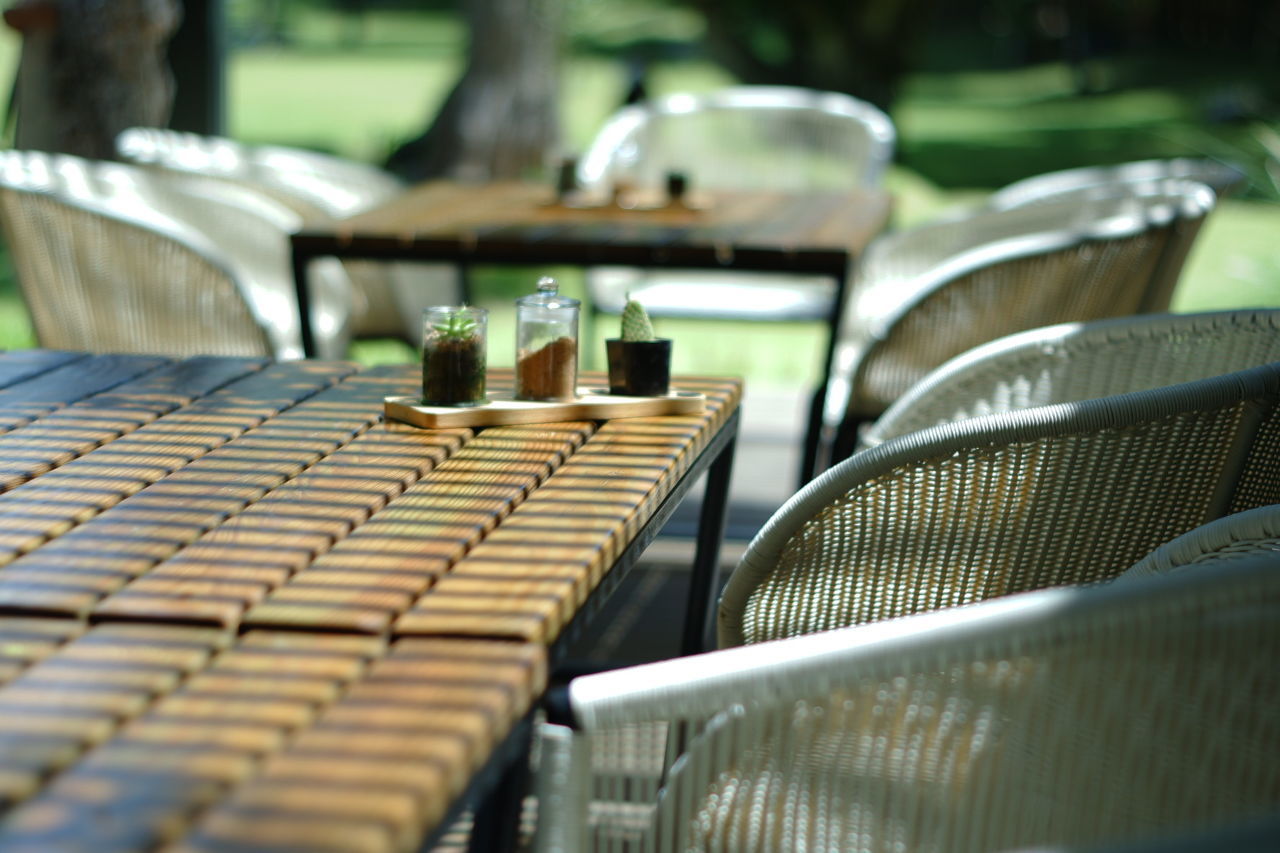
89 69
501 119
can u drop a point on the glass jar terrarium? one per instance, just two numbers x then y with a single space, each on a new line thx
546 345
454 342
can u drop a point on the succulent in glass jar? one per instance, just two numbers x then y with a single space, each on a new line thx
453 356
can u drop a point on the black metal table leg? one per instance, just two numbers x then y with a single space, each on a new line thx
706 556
812 437
810 464
302 293
496 820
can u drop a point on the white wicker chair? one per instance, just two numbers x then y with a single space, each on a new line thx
766 137
988 506
113 258
1223 178
1082 361
741 137
1236 537
1072 717
320 189
926 294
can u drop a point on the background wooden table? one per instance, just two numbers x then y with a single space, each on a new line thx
809 233
238 611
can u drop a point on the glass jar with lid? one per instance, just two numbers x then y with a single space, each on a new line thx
547 344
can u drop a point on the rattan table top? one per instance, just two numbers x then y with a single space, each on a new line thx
238 610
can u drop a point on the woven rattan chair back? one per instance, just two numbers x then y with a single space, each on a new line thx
320 188
1235 537
1223 178
1107 714
1082 361
743 137
316 185
988 506
928 294
112 258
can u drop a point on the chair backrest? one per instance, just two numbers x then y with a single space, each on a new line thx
1237 536
927 294
1223 178
319 188
314 185
111 257
1082 361
1107 714
744 137
1070 493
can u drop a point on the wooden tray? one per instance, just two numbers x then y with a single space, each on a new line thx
592 404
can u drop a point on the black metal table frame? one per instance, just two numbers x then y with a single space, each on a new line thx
496 793
835 264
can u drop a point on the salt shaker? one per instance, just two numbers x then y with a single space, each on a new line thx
546 344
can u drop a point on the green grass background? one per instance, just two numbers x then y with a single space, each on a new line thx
358 87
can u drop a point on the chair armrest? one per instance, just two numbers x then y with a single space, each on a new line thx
941 726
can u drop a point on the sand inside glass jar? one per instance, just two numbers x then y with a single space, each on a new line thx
549 372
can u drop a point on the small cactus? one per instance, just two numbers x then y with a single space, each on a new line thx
635 322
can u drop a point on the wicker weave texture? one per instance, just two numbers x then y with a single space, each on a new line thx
158 263
1068 716
929 294
937 291
1222 178
1082 361
1105 731
1238 536
995 505
80 274
331 186
320 189
756 137
1076 282
743 137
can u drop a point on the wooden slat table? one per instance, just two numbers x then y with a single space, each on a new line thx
820 234
238 611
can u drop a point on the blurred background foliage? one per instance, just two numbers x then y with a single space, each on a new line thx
983 92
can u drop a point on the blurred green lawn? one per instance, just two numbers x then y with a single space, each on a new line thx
967 132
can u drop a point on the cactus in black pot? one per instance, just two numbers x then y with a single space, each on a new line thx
639 361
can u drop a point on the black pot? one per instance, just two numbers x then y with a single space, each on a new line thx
639 368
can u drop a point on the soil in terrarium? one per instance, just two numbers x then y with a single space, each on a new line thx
549 373
453 373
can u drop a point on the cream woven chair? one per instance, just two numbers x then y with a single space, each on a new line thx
765 137
1236 537
113 258
741 137
988 506
320 189
1223 178
926 294
1082 361
1109 714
